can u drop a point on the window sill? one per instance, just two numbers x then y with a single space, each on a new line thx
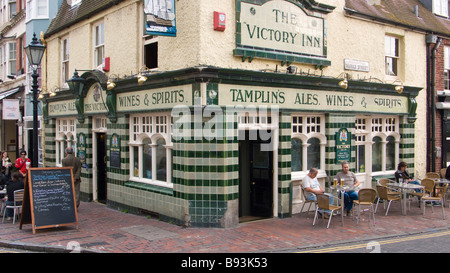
149 188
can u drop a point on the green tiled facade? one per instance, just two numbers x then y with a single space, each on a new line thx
205 173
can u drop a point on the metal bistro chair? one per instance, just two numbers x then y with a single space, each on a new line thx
383 194
18 198
307 201
366 197
429 186
323 203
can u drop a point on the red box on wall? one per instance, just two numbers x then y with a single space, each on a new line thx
219 21
106 63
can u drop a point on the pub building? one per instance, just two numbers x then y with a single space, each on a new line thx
242 99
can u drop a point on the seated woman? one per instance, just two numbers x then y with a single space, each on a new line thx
402 173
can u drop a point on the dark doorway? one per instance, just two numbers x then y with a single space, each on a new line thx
101 168
255 176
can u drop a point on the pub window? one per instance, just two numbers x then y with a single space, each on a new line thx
313 153
308 142
447 68
297 155
390 153
376 154
151 149
361 135
65 137
392 55
385 143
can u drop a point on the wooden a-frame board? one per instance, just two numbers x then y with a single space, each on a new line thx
49 199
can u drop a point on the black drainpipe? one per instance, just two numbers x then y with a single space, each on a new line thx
432 100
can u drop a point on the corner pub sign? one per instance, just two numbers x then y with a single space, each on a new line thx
217 182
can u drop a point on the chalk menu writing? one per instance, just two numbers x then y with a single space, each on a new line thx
52 197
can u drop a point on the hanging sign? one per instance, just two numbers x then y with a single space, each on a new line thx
115 151
11 110
159 17
343 145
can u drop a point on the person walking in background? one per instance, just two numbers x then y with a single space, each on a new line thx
72 161
21 163
6 165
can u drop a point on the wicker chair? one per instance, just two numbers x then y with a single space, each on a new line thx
443 172
427 196
323 203
383 182
432 175
383 194
366 197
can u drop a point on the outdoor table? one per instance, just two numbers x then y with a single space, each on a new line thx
441 180
404 187
342 190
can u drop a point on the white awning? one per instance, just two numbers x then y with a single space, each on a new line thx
8 93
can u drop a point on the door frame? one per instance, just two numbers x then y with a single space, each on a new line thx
275 136
95 160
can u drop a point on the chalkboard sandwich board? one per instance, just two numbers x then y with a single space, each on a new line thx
49 199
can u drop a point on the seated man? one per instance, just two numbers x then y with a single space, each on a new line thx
350 180
312 186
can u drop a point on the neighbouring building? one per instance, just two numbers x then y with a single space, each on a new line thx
210 112
12 76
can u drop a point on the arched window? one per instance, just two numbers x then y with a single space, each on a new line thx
297 155
376 154
308 142
390 153
150 149
147 158
65 137
313 154
161 160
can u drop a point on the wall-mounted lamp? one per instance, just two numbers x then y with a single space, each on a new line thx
141 78
399 88
76 84
41 96
344 83
110 84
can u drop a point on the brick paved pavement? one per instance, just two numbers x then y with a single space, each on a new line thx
103 229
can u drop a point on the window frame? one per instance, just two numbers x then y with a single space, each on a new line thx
440 8
447 68
305 131
392 52
12 58
98 42
65 59
66 135
150 127
381 126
